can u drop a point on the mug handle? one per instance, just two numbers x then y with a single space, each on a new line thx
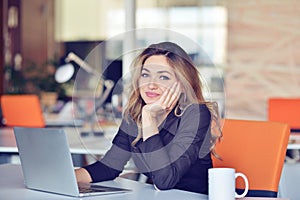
246 185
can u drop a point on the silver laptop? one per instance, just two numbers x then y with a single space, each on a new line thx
47 164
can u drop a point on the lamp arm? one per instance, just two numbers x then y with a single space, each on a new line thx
109 84
73 57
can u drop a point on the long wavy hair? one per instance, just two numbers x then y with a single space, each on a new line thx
189 78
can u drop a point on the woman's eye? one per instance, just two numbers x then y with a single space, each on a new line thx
164 78
144 75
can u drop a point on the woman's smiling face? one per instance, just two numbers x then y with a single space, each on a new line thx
156 76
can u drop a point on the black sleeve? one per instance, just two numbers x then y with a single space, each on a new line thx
169 163
113 162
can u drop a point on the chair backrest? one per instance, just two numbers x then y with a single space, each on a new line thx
22 110
257 149
285 110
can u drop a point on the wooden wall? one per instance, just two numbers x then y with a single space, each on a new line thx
263 55
37 38
1 51
10 44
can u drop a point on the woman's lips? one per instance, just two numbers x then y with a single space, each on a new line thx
152 94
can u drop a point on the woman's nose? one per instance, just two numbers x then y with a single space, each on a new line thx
152 84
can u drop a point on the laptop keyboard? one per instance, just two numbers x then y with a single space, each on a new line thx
97 188
85 190
90 188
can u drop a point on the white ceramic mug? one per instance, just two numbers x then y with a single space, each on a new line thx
221 184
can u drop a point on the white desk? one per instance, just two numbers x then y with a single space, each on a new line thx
294 141
96 145
90 144
12 188
290 181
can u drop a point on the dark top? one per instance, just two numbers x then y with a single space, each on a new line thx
178 157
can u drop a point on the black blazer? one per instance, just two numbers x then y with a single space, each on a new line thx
178 157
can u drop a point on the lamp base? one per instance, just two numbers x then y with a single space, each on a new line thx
88 133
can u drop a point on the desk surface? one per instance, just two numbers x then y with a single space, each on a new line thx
294 141
89 144
96 145
12 188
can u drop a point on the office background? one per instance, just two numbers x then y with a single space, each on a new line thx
253 44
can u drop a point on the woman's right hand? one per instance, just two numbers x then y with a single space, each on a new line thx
153 114
165 103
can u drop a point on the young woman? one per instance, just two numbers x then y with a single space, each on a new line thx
168 129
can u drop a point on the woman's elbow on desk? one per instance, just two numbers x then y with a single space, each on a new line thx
82 175
161 186
164 183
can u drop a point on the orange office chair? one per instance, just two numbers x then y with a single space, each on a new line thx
22 110
257 149
285 110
